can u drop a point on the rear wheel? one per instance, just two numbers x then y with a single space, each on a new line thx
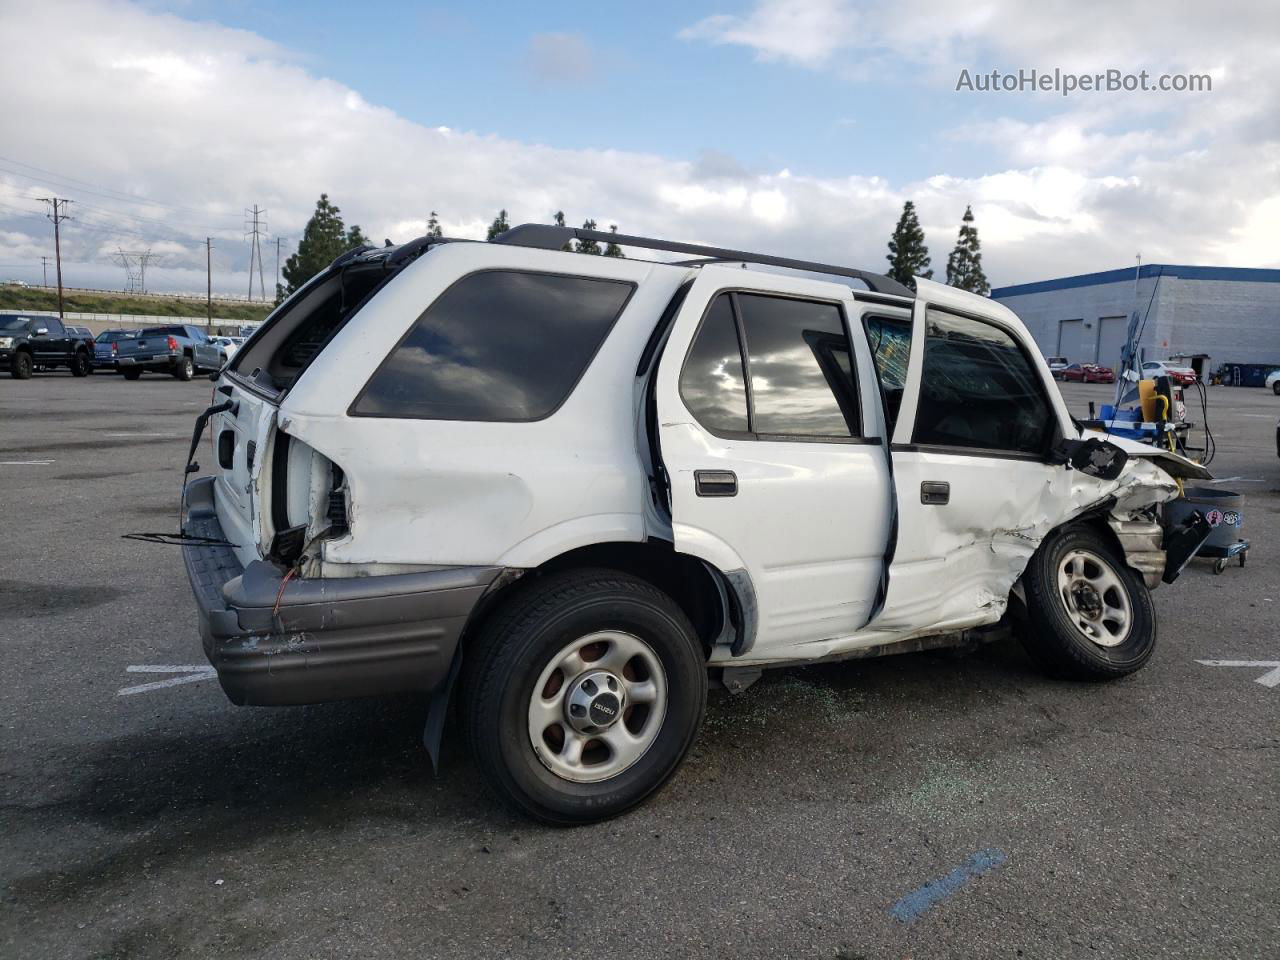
80 366
1090 616
583 695
131 373
186 368
20 366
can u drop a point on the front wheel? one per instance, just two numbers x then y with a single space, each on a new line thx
20 366
1090 616
583 695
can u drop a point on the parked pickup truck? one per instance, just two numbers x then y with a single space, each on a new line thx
182 351
28 342
571 490
104 347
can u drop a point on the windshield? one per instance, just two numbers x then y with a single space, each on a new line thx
12 324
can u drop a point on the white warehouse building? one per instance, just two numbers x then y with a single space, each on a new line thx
1232 314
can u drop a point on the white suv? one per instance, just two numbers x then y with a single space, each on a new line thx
571 488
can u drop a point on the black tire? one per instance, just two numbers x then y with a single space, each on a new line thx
1050 634
186 368
130 373
80 366
20 366
518 642
1275 388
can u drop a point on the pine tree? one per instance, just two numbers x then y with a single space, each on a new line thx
589 246
908 256
964 266
613 250
559 218
499 225
433 226
324 239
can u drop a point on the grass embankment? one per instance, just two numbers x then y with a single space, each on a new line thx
13 297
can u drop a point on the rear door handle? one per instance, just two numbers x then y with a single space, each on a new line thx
715 483
935 492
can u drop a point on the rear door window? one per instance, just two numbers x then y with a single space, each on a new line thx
801 375
978 389
500 345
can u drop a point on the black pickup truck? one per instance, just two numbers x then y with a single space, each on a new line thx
27 342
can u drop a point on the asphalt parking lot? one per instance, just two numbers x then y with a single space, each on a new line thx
915 806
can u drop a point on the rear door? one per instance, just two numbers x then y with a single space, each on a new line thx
975 487
770 432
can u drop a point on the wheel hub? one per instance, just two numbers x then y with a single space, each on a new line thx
594 702
1087 600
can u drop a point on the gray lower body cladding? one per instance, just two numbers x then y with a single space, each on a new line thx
321 639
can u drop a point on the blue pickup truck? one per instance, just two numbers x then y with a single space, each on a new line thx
179 350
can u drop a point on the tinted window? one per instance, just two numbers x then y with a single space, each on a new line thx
54 325
801 377
978 389
497 345
163 332
712 382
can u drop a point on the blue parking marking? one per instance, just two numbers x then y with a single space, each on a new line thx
918 901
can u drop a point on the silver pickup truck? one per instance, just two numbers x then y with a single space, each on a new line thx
179 350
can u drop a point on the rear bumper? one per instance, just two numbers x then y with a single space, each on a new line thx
321 639
162 361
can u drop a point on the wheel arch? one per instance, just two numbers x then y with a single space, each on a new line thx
712 600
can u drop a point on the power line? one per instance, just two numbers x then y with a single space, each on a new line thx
107 193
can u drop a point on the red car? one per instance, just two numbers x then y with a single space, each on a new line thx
1088 373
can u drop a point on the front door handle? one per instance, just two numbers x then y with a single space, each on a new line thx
715 483
935 492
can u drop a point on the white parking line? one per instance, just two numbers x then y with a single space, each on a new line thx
189 673
1269 679
130 434
26 463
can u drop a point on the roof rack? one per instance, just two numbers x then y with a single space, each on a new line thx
546 236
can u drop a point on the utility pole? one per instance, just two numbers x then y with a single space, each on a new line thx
57 213
208 277
44 265
255 226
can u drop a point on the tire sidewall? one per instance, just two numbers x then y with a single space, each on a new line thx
22 365
186 369
1059 638
528 780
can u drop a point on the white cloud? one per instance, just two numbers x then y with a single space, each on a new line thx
214 120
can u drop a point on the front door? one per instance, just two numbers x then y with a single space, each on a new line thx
771 437
976 492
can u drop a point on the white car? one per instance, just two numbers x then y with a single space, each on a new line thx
1184 376
567 489
227 345
1273 381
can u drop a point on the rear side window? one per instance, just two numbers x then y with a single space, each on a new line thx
801 375
978 389
712 382
497 345
164 332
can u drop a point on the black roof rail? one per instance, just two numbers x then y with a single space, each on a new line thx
545 236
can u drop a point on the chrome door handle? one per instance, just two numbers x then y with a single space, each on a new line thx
715 483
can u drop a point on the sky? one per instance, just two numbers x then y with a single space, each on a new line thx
794 127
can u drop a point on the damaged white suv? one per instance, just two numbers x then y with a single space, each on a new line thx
569 489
